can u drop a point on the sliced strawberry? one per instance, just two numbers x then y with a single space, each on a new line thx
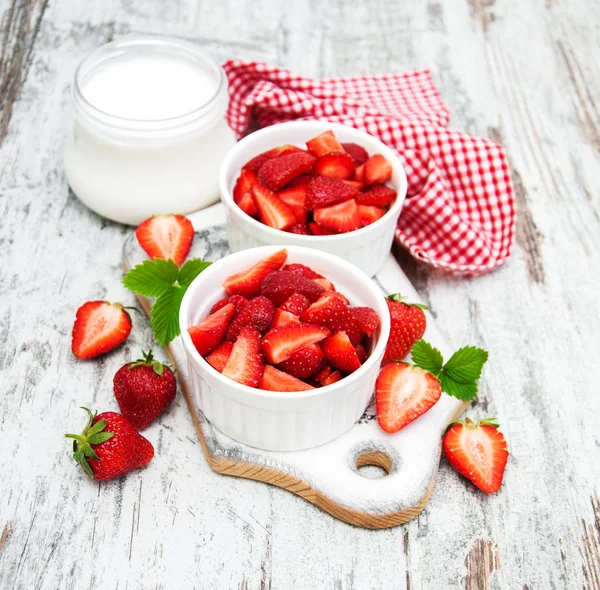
377 170
166 237
247 205
275 380
272 211
282 284
319 230
379 195
358 153
248 282
304 363
323 191
323 373
326 284
368 214
243 186
340 352
477 451
219 356
258 313
304 270
279 344
282 150
238 302
341 218
99 327
359 174
301 180
255 164
335 165
354 184
332 378
296 199
277 172
245 364
283 318
300 229
331 311
324 143
361 353
404 392
296 303
366 318
209 333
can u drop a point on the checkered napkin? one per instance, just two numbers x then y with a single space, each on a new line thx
459 214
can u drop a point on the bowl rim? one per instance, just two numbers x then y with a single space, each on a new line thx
227 194
377 353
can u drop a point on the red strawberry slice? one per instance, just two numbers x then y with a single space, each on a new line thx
243 186
275 380
341 218
245 364
256 163
369 214
210 332
361 353
324 143
219 356
248 282
366 318
296 303
340 352
331 311
166 237
304 363
277 172
404 392
332 378
323 373
323 191
354 184
377 170
478 451
335 165
99 327
282 150
238 302
279 344
304 270
300 229
379 195
296 199
359 174
283 318
247 205
282 284
358 153
257 313
301 180
319 230
272 211
326 284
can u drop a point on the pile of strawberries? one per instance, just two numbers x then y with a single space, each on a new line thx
284 328
329 188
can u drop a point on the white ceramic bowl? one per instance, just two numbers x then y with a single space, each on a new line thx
367 247
280 421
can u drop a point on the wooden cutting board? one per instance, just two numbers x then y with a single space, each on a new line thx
338 477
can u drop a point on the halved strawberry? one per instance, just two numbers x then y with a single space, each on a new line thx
257 313
99 327
335 165
324 143
366 318
277 172
361 353
245 364
282 284
379 195
369 214
280 343
304 270
319 230
209 333
248 282
255 164
283 318
243 185
358 153
340 352
219 356
404 392
275 380
377 170
332 378
326 284
166 237
296 199
305 362
323 191
331 311
272 211
295 303
478 451
247 205
359 174
238 302
300 229
341 218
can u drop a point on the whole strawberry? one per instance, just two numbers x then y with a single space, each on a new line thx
144 389
408 325
110 446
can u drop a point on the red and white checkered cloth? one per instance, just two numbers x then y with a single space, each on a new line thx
459 214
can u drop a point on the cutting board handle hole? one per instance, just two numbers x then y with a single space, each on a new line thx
373 464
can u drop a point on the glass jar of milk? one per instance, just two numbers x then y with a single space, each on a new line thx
149 132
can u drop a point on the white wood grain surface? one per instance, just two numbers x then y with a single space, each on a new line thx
524 73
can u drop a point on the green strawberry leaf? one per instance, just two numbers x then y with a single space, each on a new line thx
190 270
164 317
427 357
151 278
465 365
463 391
99 438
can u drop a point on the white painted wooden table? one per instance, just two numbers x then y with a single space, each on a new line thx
520 72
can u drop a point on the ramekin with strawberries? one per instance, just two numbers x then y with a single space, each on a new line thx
314 184
303 370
